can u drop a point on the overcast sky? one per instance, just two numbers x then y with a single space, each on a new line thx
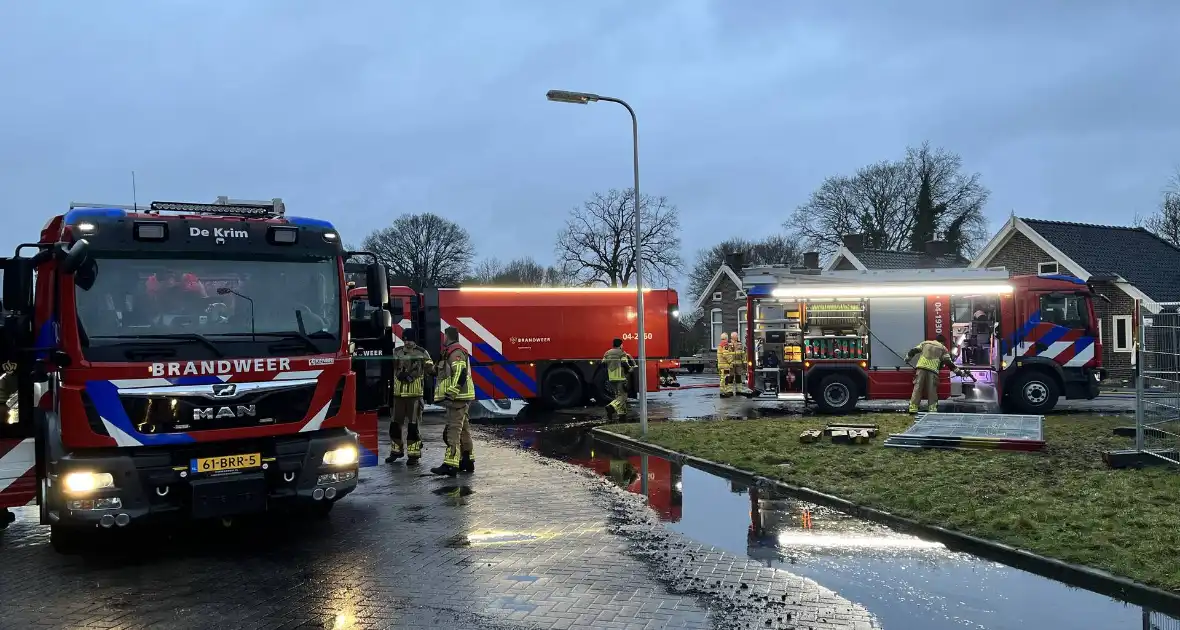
360 111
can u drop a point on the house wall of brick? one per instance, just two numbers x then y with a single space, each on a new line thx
729 304
1021 257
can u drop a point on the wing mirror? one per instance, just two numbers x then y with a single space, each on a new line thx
75 257
377 284
381 321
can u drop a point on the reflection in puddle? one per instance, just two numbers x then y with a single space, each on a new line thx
907 582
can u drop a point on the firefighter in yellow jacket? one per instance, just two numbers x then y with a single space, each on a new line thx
618 366
456 387
932 356
738 365
723 367
411 367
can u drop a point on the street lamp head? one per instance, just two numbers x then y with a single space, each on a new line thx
579 98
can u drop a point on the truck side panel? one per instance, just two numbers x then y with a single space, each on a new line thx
533 326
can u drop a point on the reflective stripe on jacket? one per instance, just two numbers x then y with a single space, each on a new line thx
931 355
615 360
410 365
737 355
456 382
723 356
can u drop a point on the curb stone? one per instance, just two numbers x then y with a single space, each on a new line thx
1088 578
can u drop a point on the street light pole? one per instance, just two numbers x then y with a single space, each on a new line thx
583 98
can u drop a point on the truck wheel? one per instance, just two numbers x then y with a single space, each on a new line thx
697 369
1034 392
562 388
7 516
836 394
67 540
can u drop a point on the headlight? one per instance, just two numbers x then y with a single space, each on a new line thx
13 416
82 482
676 313
342 456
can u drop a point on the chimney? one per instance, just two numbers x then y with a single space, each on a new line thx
937 249
811 260
735 261
854 243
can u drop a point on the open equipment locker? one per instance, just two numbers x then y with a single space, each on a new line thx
845 338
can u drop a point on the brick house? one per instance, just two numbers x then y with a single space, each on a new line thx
723 305
1122 263
853 256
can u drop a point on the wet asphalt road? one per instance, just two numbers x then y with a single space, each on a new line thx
904 581
529 542
524 543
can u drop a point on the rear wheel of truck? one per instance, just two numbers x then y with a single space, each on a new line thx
561 388
836 394
696 369
1034 392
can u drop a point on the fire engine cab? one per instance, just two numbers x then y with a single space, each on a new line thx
178 360
836 337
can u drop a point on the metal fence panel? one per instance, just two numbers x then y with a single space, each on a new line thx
1157 387
1158 621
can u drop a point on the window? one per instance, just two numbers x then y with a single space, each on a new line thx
740 295
186 309
1122 333
1065 310
715 328
1098 324
742 324
1048 269
717 296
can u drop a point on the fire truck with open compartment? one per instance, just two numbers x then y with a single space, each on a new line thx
178 360
841 336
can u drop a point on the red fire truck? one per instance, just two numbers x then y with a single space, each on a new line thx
838 337
178 360
539 344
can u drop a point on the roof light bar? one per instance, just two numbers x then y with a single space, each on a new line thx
892 290
224 206
552 289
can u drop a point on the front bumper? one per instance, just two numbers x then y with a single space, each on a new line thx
159 484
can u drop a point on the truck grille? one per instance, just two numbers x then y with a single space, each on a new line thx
159 414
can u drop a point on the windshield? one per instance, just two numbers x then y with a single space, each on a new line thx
141 309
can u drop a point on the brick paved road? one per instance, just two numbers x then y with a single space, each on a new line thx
525 543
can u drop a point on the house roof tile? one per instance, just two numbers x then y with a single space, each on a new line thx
1145 260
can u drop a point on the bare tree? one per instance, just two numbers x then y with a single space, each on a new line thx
485 272
898 205
423 250
521 272
1165 222
773 250
598 240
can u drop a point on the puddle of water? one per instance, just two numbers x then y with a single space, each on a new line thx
908 582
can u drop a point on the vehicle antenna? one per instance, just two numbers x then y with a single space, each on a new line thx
134 196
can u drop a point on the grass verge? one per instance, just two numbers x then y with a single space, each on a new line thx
1063 503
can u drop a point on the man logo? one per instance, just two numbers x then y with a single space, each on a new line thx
210 413
225 390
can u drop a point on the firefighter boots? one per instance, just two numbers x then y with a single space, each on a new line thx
445 470
467 463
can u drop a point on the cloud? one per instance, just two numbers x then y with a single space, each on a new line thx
361 111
